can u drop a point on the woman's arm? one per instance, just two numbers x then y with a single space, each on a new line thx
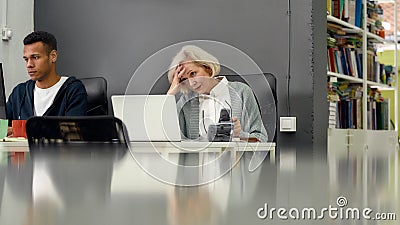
251 122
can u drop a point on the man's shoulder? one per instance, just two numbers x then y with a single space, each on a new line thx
70 79
73 85
23 85
73 82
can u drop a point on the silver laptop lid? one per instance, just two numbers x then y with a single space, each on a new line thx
148 117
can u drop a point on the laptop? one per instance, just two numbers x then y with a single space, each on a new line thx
148 117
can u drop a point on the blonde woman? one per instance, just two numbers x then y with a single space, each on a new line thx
201 96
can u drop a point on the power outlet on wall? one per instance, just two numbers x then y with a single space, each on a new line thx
287 124
6 33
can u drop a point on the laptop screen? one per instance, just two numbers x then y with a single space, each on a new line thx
148 117
3 113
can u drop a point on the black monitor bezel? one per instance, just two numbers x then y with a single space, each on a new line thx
3 115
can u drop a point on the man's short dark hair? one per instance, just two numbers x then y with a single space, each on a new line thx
48 39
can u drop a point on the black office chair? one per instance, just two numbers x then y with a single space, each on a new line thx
96 88
265 97
83 133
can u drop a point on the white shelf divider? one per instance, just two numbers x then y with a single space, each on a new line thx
345 77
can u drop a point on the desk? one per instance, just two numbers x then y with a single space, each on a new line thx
203 147
174 147
14 146
207 161
104 188
72 188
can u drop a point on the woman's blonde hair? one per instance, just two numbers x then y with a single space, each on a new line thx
191 53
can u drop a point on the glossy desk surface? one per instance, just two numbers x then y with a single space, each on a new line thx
188 145
110 185
177 147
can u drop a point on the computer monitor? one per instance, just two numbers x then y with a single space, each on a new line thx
3 112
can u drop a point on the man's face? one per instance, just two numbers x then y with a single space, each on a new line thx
39 62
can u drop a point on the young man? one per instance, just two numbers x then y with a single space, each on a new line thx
46 93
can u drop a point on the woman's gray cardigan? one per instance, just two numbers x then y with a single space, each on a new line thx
244 107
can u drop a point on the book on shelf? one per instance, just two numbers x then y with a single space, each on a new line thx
358 13
336 8
382 112
372 111
380 75
354 63
339 65
359 114
343 61
329 7
351 12
349 62
345 14
358 55
332 60
371 65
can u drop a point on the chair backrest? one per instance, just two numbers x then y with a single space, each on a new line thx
58 130
264 89
96 88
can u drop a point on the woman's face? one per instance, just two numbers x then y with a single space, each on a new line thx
198 79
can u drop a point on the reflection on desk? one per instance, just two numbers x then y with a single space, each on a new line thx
107 187
63 187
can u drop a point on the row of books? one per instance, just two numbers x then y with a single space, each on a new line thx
347 114
346 107
378 115
345 90
345 60
346 10
375 17
375 69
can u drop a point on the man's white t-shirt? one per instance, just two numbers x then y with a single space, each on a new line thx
43 98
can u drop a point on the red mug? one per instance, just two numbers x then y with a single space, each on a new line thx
19 128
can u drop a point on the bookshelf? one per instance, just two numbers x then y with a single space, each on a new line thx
357 111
